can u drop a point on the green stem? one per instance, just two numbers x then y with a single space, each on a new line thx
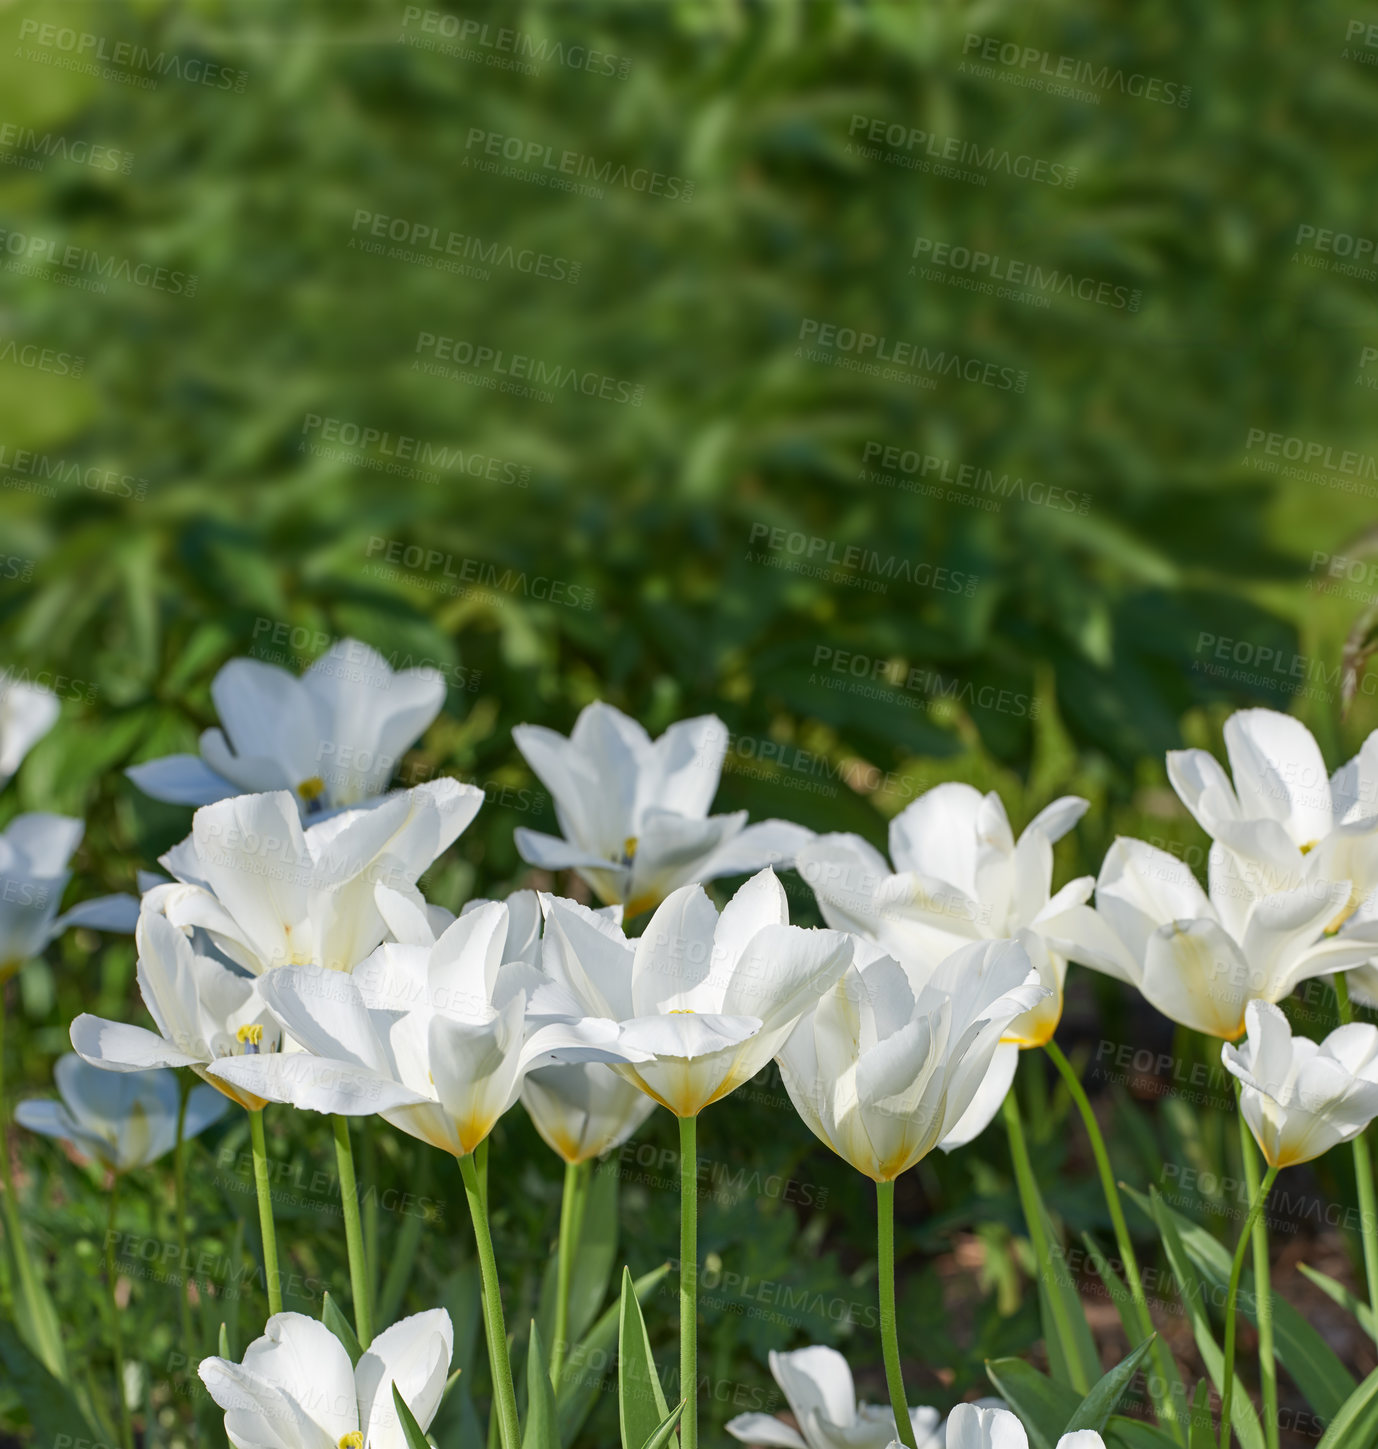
116 1344
272 1279
1159 1383
1363 1173
499 1362
179 1203
889 1339
1231 1297
689 1281
571 1211
1028 1200
1263 1289
354 1238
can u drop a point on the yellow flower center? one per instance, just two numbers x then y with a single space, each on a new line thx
1309 847
629 848
353 1440
680 1011
251 1035
311 790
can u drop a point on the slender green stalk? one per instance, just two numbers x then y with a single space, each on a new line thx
116 1342
1363 1172
1263 1290
271 1277
689 1281
1028 1200
499 1362
571 1214
1231 1297
354 1238
1158 1383
179 1206
889 1338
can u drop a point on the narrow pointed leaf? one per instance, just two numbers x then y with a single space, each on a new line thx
411 1430
540 1430
641 1405
334 1319
1099 1404
1357 1421
666 1428
1338 1293
1043 1405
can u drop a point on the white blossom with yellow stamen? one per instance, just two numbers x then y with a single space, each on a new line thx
333 738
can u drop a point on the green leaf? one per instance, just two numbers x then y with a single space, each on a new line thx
411 1430
584 1365
665 1428
541 1430
1308 1359
641 1406
36 1316
1097 1406
52 1412
1043 1405
224 1343
1337 1292
1121 1433
1202 1424
1357 1421
334 1319
1193 1296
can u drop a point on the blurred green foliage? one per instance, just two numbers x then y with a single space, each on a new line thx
193 495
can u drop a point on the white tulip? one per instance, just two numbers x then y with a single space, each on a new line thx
35 851
881 1073
701 1001
583 1109
972 1427
817 1385
296 1388
960 876
634 812
436 1039
270 893
1200 959
27 713
124 1121
1300 1099
202 1009
1288 821
332 738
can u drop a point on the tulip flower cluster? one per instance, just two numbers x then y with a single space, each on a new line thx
289 960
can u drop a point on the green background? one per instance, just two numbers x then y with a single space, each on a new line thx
185 519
